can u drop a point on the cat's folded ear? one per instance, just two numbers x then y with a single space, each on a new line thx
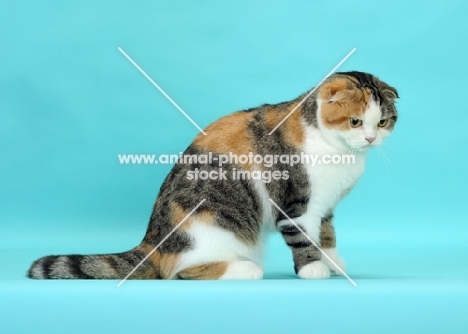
388 91
336 91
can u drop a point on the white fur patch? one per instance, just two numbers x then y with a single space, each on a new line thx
328 182
213 244
371 118
316 269
239 270
333 254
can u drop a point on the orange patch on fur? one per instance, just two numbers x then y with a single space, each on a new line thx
327 235
204 271
342 100
178 214
292 129
228 134
332 87
164 264
273 117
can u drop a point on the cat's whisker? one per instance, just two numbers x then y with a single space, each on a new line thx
390 167
394 148
399 166
383 161
394 140
349 150
398 157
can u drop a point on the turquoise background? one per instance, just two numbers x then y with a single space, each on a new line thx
70 102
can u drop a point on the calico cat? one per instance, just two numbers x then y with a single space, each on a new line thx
222 239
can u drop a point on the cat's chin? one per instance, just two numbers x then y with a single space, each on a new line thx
361 149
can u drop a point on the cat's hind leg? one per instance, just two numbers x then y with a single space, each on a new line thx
218 253
224 270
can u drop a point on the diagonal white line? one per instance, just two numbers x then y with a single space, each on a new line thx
158 245
161 90
312 91
313 242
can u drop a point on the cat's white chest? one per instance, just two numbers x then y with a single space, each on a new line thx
329 182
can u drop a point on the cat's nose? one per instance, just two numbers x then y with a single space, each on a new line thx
370 139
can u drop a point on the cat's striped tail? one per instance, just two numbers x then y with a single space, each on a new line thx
108 266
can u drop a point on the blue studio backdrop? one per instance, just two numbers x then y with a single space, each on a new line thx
70 102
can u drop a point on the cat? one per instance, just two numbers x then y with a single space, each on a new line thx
348 113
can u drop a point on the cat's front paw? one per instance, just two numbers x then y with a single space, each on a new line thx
314 270
333 254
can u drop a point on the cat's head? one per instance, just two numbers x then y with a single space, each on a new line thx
356 110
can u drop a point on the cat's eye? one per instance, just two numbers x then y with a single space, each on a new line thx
383 122
354 122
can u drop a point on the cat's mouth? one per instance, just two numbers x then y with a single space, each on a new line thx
360 146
